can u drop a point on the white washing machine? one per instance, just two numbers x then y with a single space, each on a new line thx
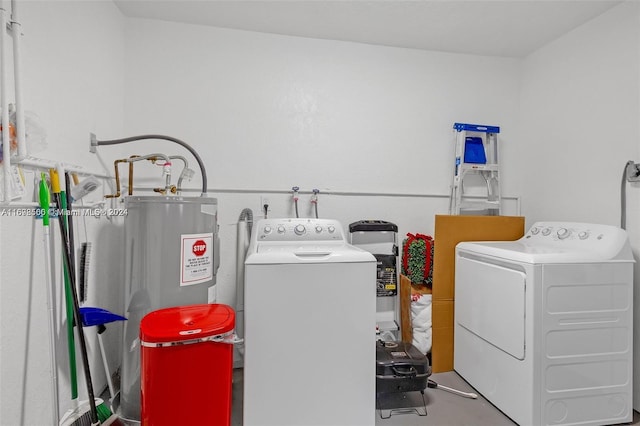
310 318
544 324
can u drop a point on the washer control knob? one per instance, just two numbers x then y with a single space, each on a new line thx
331 229
583 235
267 229
299 229
563 233
281 229
318 229
535 230
546 231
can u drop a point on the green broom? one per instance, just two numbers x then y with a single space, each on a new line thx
60 195
99 412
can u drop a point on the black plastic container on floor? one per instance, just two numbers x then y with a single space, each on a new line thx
400 367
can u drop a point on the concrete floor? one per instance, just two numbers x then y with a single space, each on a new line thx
443 408
446 408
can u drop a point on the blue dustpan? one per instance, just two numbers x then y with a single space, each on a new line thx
97 316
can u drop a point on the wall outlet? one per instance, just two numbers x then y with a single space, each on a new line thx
633 172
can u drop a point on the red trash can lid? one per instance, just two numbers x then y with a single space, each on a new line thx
189 322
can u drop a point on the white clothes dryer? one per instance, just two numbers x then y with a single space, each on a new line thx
544 324
310 319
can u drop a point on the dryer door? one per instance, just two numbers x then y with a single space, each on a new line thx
490 303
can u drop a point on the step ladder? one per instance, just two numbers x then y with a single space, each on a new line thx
476 179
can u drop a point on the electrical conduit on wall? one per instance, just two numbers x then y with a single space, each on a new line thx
245 224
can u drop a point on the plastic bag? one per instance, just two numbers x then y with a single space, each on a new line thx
421 321
12 137
35 135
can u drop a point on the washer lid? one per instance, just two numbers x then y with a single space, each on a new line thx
310 252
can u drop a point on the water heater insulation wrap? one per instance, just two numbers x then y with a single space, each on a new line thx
171 257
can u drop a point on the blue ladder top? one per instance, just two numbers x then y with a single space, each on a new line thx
476 128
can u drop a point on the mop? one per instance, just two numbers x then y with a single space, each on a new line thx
44 206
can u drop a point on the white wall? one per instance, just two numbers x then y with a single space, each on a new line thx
73 79
579 123
269 112
579 120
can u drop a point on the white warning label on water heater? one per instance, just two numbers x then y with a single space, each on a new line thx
196 258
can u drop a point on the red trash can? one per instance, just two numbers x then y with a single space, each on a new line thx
186 365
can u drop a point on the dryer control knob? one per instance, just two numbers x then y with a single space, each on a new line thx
563 233
281 229
318 229
546 231
535 230
267 229
583 235
331 229
299 229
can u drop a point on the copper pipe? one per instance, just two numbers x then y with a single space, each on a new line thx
115 166
131 174
153 158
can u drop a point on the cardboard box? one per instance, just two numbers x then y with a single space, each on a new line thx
442 335
406 329
449 231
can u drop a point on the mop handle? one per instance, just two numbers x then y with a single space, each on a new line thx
45 202
459 392
435 385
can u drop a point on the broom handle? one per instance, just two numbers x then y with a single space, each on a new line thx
106 364
52 327
78 319
69 220
71 347
73 376
65 201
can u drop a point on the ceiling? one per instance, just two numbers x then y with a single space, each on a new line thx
510 28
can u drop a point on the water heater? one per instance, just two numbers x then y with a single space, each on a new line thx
171 258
